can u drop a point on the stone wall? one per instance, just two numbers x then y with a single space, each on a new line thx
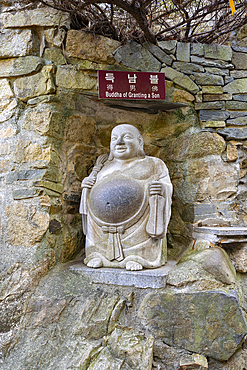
51 132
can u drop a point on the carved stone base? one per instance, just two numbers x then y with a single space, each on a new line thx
140 279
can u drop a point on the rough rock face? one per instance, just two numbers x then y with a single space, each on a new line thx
195 325
50 136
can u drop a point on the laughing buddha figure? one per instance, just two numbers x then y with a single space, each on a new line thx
126 205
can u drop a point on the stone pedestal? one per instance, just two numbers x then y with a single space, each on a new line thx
140 279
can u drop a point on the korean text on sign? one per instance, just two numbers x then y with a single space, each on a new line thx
131 85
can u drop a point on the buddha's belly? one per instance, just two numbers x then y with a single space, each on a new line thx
115 200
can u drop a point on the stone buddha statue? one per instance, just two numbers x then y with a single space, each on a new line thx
126 205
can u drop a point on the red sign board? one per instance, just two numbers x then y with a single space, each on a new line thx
131 85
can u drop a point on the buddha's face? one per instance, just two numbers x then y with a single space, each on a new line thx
125 142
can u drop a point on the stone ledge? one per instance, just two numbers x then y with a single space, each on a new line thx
152 278
222 235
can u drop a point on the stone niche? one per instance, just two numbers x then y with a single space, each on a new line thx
52 129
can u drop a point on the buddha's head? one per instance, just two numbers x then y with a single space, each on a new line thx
126 143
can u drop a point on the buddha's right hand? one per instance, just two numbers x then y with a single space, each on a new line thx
88 182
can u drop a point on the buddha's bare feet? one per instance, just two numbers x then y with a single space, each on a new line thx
95 263
133 266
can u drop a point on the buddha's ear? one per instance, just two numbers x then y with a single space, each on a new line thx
140 153
140 139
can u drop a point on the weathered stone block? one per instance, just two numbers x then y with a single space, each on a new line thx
25 193
213 124
187 320
237 86
183 52
210 105
96 48
240 97
26 225
195 146
208 79
239 60
237 47
234 133
215 180
5 89
18 43
23 175
209 264
212 90
44 17
197 49
40 84
238 74
159 54
55 36
214 51
133 55
187 68
218 71
203 210
54 56
43 99
25 152
240 121
182 96
70 78
193 362
168 46
210 62
7 108
45 120
180 79
236 105
236 114
19 67
213 97
213 115
58 188
231 153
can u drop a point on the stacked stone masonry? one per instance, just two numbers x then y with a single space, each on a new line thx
51 133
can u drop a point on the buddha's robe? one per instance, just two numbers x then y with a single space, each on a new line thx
119 211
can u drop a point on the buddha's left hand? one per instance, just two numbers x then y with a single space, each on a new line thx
156 188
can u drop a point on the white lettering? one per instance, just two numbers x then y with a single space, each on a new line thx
154 79
137 95
110 77
113 95
132 79
155 96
